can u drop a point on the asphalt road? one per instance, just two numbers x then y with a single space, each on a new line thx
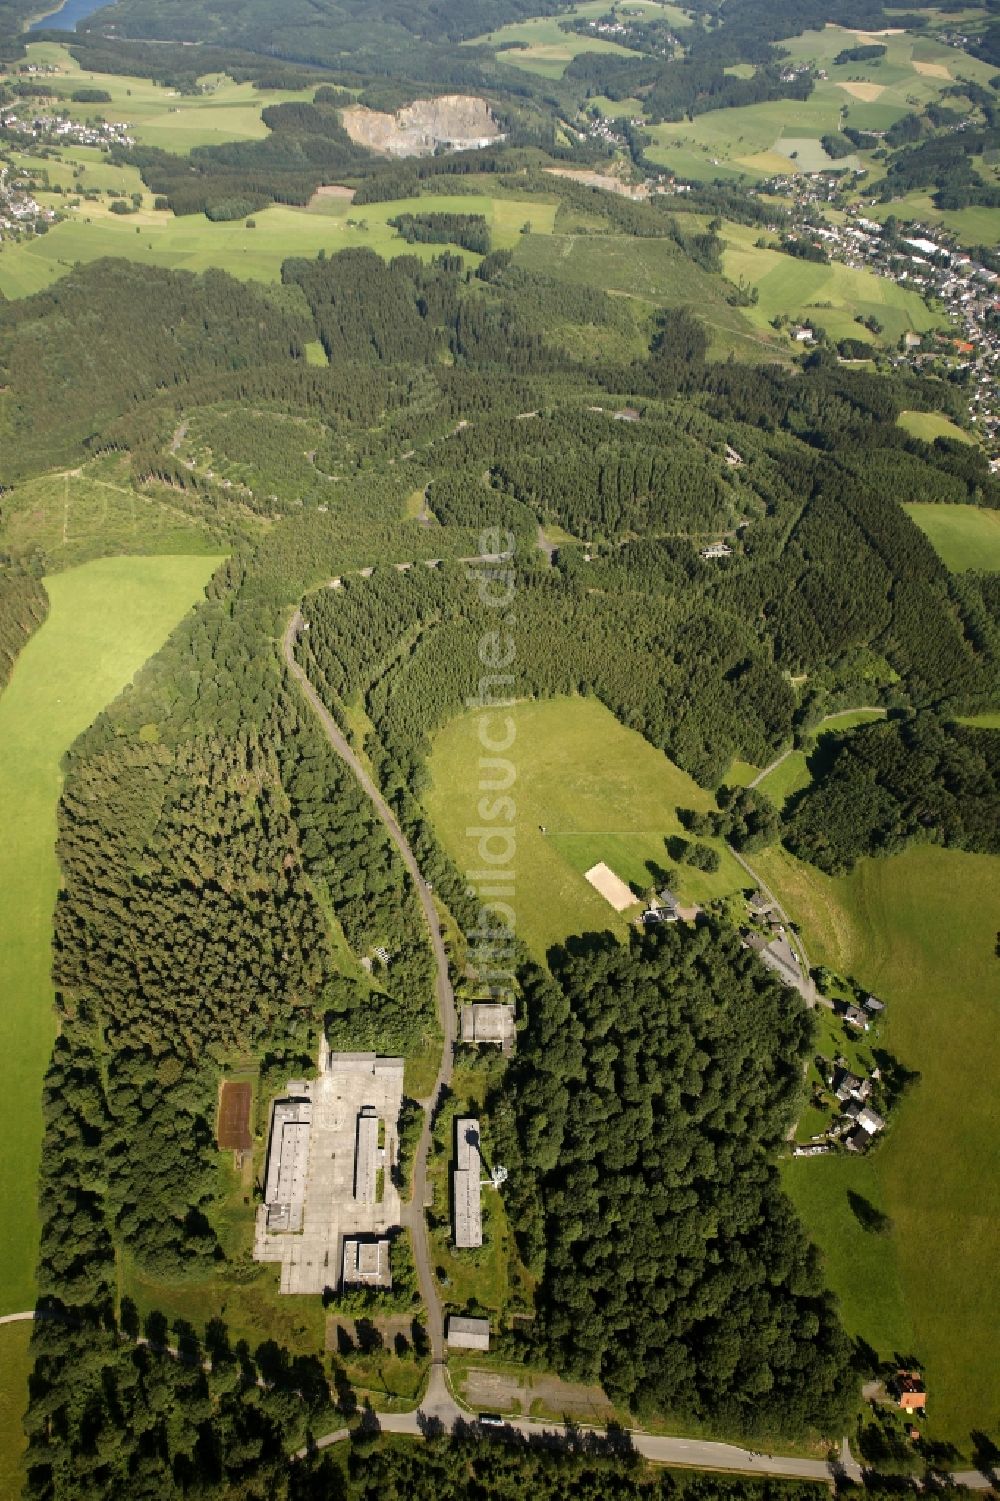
413 1213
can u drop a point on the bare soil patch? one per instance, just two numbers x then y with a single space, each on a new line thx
866 91
332 190
931 70
611 887
233 1133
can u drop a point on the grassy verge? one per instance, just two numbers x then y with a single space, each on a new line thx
15 1365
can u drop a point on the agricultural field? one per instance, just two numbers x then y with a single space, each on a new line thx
916 930
962 536
654 273
225 111
616 800
931 425
830 296
251 249
759 140
106 619
541 46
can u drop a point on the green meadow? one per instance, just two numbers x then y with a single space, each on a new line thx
224 111
831 295
15 1367
106 619
252 249
600 791
931 425
962 536
918 930
541 46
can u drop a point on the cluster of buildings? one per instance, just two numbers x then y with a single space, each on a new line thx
855 1122
20 211
56 129
330 1203
931 263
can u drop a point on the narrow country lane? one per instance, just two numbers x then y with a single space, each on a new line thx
413 1213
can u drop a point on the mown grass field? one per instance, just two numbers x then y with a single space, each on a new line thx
601 791
792 774
193 243
226 111
920 931
962 536
931 425
829 296
15 1367
106 618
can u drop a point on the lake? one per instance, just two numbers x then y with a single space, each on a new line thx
68 16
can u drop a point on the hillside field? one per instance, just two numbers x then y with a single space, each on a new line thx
917 930
224 111
194 243
831 296
931 425
962 536
106 619
614 798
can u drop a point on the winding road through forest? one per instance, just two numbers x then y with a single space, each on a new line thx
413 1213
439 1409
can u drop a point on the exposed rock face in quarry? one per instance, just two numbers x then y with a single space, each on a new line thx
460 122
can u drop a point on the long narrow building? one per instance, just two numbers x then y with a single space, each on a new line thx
465 1185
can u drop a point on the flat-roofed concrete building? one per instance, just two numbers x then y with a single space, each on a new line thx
466 1187
288 1157
366 1156
489 1021
468 1334
366 1263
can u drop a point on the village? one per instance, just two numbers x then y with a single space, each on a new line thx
20 211
33 127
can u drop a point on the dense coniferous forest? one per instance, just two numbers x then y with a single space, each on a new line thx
651 1089
23 606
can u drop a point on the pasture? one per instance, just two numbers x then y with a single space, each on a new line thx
251 250
224 111
828 295
541 46
962 536
600 791
106 619
920 931
931 425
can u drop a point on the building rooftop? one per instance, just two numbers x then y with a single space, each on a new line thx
288 1156
468 1334
367 1263
366 1156
488 1022
466 1188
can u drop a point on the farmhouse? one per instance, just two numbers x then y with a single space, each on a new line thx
489 1022
855 1018
910 1391
465 1185
366 1263
285 1184
468 1334
664 908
